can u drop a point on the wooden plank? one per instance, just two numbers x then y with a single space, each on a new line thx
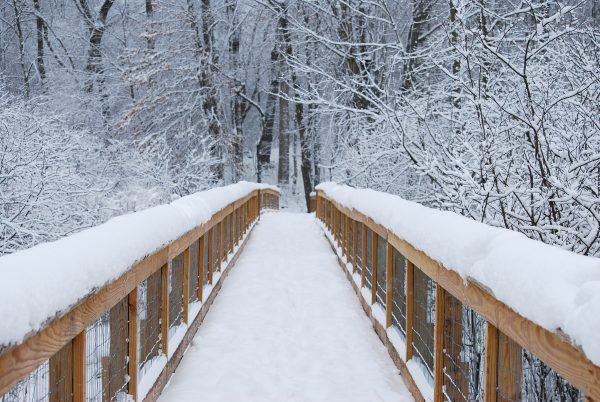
133 343
164 325
374 258
389 283
491 363
438 375
79 368
410 280
186 285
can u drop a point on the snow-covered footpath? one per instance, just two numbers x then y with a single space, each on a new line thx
286 326
554 288
40 282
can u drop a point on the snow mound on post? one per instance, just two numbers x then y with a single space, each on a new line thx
552 287
43 281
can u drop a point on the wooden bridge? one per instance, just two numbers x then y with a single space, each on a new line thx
440 337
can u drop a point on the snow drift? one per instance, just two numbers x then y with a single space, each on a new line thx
43 281
552 287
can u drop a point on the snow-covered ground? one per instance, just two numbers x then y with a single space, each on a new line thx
286 326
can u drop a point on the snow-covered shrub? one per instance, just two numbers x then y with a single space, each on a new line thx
55 180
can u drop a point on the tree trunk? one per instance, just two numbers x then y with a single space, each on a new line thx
150 42
210 104
420 17
237 102
21 39
39 22
94 59
283 168
263 148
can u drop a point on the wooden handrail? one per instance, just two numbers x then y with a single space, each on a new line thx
18 361
552 348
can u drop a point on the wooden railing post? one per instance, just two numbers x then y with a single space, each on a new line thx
363 274
231 245
389 283
79 367
186 284
354 245
257 205
209 259
238 220
335 225
219 245
374 267
438 375
491 363
410 281
346 237
133 343
343 234
201 267
164 284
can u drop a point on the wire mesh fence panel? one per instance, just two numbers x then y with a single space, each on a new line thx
149 321
107 355
359 250
381 269
206 271
463 351
176 291
193 282
369 260
33 388
541 383
399 293
524 377
424 320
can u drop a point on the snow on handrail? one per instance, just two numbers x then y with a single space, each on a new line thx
553 288
46 279
43 288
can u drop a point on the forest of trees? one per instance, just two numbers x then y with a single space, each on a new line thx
488 108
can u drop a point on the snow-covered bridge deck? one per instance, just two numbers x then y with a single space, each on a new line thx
286 326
